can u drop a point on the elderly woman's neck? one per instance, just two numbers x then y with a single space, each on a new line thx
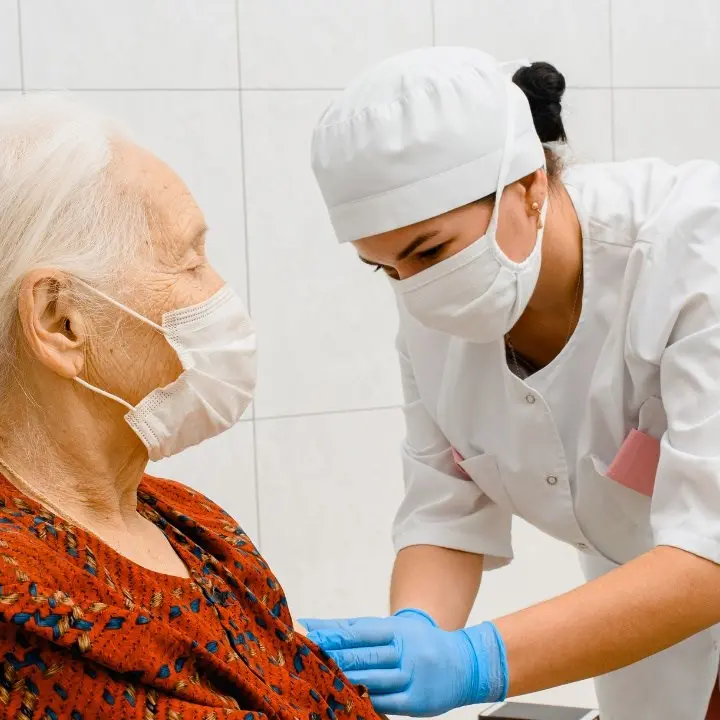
81 460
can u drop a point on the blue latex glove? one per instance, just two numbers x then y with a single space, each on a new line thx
416 614
411 667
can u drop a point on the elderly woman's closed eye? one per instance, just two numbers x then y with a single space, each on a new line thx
123 595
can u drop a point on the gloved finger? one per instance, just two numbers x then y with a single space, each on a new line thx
415 614
395 704
383 657
362 633
381 682
319 624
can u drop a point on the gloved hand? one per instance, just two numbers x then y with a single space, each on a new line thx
414 613
412 667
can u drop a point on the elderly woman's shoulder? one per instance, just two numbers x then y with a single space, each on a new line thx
181 499
26 533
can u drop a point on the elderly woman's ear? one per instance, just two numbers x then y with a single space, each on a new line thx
51 322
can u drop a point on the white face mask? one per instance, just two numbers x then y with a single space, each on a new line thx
215 341
479 293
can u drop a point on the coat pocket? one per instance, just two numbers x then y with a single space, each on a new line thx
652 418
484 472
614 518
636 463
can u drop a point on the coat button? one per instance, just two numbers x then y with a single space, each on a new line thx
551 480
530 399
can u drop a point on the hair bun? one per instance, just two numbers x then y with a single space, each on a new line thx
544 86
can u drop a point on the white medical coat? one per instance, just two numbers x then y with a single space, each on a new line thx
645 355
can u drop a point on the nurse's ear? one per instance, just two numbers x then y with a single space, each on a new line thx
536 192
521 212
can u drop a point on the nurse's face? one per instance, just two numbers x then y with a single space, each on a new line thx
407 251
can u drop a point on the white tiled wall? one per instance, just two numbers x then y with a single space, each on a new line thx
573 35
286 44
10 75
666 44
227 92
326 324
133 44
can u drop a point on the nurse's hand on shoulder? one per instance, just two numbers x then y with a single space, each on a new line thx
412 667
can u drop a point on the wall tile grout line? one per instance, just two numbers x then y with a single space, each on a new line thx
133 89
647 88
293 89
432 20
319 413
258 526
612 79
178 89
20 46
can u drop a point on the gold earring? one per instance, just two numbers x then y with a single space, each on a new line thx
536 208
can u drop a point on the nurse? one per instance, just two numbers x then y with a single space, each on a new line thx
560 352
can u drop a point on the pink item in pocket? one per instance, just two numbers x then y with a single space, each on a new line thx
636 463
458 458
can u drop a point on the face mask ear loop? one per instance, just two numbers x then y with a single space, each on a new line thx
122 307
108 395
505 160
129 311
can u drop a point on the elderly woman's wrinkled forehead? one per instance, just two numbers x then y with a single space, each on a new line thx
174 218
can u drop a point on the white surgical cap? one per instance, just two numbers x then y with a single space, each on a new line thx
418 135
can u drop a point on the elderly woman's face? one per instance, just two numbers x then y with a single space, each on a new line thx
171 272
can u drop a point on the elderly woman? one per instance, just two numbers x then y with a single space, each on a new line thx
125 596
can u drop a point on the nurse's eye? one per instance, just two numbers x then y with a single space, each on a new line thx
389 271
431 253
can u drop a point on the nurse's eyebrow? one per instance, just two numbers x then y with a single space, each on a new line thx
415 244
409 250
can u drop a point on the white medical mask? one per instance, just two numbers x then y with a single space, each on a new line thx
479 293
215 342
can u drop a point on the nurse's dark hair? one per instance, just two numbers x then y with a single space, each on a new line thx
544 87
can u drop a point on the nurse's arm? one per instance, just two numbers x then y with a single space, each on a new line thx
635 611
445 522
420 579
673 591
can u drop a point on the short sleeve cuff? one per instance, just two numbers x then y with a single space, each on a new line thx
702 546
497 553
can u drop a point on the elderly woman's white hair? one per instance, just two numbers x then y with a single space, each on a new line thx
61 206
